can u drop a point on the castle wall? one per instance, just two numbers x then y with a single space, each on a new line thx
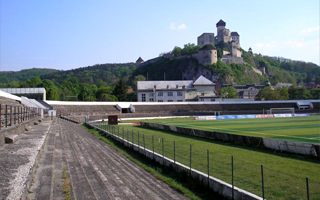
206 38
206 57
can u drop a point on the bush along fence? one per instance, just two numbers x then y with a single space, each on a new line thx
301 148
14 115
223 173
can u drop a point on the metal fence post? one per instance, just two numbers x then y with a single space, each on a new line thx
152 146
162 148
144 144
6 116
232 177
0 117
174 152
190 155
138 139
132 139
10 115
262 182
307 187
208 165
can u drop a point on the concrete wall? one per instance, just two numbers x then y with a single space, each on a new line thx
217 185
306 149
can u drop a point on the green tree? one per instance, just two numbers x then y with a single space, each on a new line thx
104 94
52 89
87 92
229 92
120 90
267 93
176 51
189 49
283 93
315 93
299 93
138 78
34 82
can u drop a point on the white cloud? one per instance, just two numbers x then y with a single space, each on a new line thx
310 30
177 27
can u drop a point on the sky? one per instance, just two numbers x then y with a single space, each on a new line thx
64 34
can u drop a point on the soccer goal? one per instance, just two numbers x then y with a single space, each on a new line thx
281 111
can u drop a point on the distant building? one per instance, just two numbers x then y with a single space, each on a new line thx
139 60
282 85
231 41
248 91
176 91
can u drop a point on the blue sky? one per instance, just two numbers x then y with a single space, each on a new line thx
66 34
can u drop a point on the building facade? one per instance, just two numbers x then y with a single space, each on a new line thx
176 91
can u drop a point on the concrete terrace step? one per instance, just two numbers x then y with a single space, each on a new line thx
17 159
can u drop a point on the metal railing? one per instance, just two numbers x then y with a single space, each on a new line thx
11 115
256 178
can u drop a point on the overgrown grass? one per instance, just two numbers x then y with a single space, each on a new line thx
66 184
179 182
284 176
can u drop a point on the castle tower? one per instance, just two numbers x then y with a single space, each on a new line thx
223 34
236 38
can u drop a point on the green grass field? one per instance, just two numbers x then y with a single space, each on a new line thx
284 175
304 129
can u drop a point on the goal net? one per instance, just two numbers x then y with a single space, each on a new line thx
281 111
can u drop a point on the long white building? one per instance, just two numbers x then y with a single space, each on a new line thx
176 91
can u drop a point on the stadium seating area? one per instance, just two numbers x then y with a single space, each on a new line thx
78 112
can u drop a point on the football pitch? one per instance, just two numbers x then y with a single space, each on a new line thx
303 129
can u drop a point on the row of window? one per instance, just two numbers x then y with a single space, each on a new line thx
143 98
169 94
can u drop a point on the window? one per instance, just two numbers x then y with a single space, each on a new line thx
151 99
179 93
160 94
202 94
170 94
150 94
179 100
160 100
170 100
143 97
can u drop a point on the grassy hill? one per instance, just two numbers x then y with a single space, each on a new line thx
98 82
23 75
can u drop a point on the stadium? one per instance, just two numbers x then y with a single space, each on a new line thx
239 150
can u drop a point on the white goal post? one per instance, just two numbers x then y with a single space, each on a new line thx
281 111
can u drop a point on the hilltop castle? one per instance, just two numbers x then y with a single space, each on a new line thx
226 40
